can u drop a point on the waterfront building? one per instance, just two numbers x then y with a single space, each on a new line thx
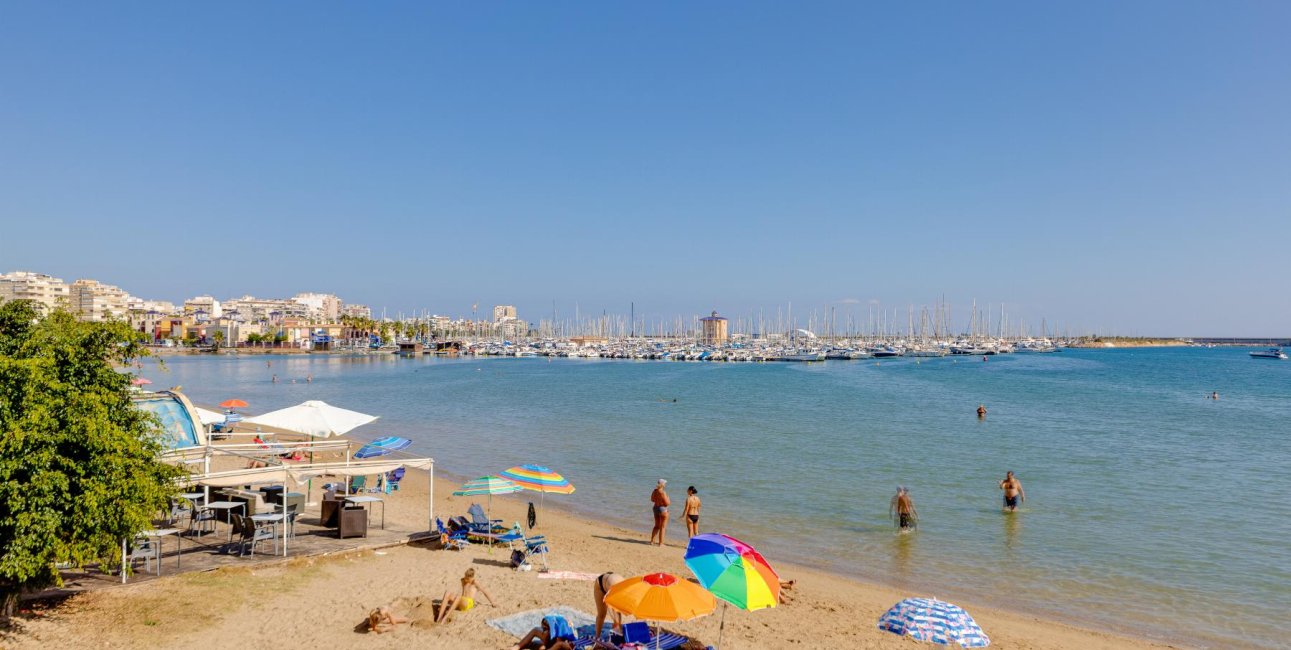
46 291
714 329
319 306
503 312
356 311
269 310
205 306
94 301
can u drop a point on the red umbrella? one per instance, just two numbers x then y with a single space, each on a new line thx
140 381
233 404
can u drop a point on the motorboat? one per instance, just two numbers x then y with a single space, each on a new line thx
1271 353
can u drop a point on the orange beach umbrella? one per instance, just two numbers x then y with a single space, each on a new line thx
660 597
233 404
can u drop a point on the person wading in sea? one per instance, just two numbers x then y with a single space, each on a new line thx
660 502
901 508
1013 494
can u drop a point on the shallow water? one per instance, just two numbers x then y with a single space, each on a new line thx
1150 509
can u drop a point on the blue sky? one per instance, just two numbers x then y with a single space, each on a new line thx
1124 167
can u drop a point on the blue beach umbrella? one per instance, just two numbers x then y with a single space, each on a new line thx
382 446
934 621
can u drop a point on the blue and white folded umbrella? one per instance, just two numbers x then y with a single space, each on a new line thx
382 446
934 621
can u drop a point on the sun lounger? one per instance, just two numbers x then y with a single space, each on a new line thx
455 539
480 522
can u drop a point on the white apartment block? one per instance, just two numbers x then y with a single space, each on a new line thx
320 306
94 301
356 311
503 312
205 304
47 291
250 309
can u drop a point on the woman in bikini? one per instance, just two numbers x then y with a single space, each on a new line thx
465 601
600 587
661 502
692 511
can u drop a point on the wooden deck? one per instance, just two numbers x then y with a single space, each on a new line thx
190 552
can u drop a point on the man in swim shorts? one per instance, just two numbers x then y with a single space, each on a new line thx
1013 494
902 507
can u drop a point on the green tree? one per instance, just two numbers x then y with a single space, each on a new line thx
79 468
218 337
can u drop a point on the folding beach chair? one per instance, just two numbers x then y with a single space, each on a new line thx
480 522
454 539
392 479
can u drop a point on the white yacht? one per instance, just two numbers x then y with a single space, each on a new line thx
1271 353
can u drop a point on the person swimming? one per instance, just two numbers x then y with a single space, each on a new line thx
981 411
465 601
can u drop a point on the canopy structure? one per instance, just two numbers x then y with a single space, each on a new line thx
208 417
316 418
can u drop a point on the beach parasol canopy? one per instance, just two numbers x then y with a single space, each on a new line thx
934 621
233 404
660 597
489 485
539 479
315 418
140 381
382 446
733 571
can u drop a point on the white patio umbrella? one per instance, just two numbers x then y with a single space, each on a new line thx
315 418
209 417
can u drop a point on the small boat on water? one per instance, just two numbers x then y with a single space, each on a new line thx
1271 353
802 355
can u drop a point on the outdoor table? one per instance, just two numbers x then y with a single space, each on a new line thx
274 518
163 532
227 505
367 499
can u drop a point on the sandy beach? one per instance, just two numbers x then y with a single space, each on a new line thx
318 601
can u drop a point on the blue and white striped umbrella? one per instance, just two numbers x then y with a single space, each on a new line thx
934 621
382 446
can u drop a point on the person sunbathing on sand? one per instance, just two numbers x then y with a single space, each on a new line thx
465 601
554 634
786 586
382 619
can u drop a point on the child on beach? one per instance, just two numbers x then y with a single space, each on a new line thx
464 601
382 619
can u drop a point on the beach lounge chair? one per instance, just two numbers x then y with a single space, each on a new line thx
454 539
480 522
359 484
529 548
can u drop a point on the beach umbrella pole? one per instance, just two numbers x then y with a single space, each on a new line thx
721 627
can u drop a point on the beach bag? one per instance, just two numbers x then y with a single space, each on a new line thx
517 559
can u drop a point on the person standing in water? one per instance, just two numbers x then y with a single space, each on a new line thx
691 512
981 410
902 509
1013 494
660 502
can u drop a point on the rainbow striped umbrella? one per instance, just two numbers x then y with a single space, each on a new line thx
538 479
734 572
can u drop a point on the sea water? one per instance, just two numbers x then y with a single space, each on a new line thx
1150 509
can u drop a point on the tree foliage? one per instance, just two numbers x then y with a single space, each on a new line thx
79 468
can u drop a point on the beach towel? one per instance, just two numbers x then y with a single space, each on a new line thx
567 575
518 625
559 627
